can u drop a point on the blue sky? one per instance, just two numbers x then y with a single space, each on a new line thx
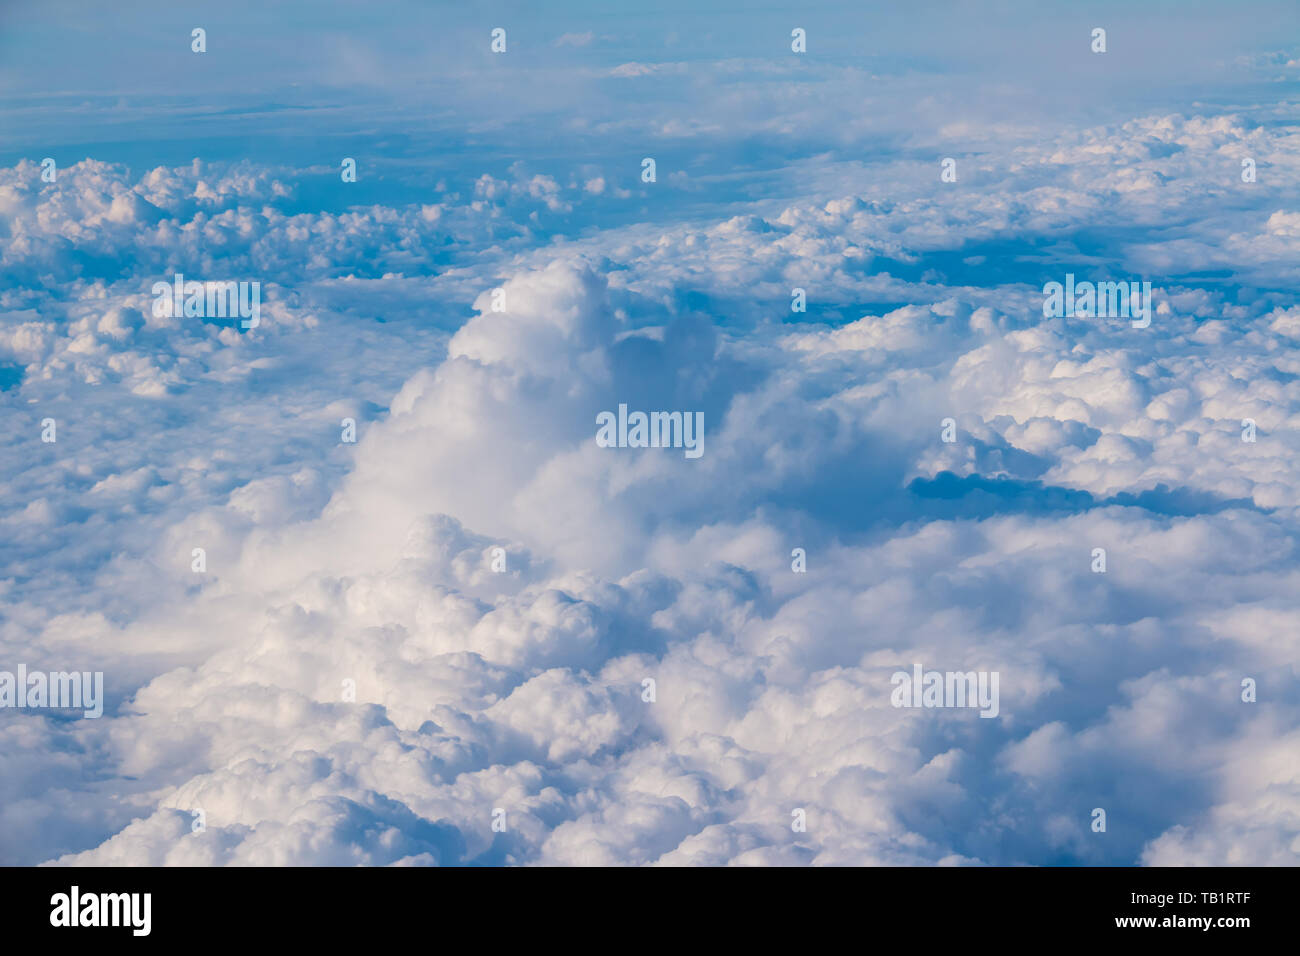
476 689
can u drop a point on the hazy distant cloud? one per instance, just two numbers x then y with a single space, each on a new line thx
575 39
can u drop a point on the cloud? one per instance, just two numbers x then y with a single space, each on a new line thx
466 610
523 691
575 39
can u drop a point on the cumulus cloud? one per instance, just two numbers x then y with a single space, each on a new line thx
475 613
477 690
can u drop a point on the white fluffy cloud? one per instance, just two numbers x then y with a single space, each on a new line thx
523 690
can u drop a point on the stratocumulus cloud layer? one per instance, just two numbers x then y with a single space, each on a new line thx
390 644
